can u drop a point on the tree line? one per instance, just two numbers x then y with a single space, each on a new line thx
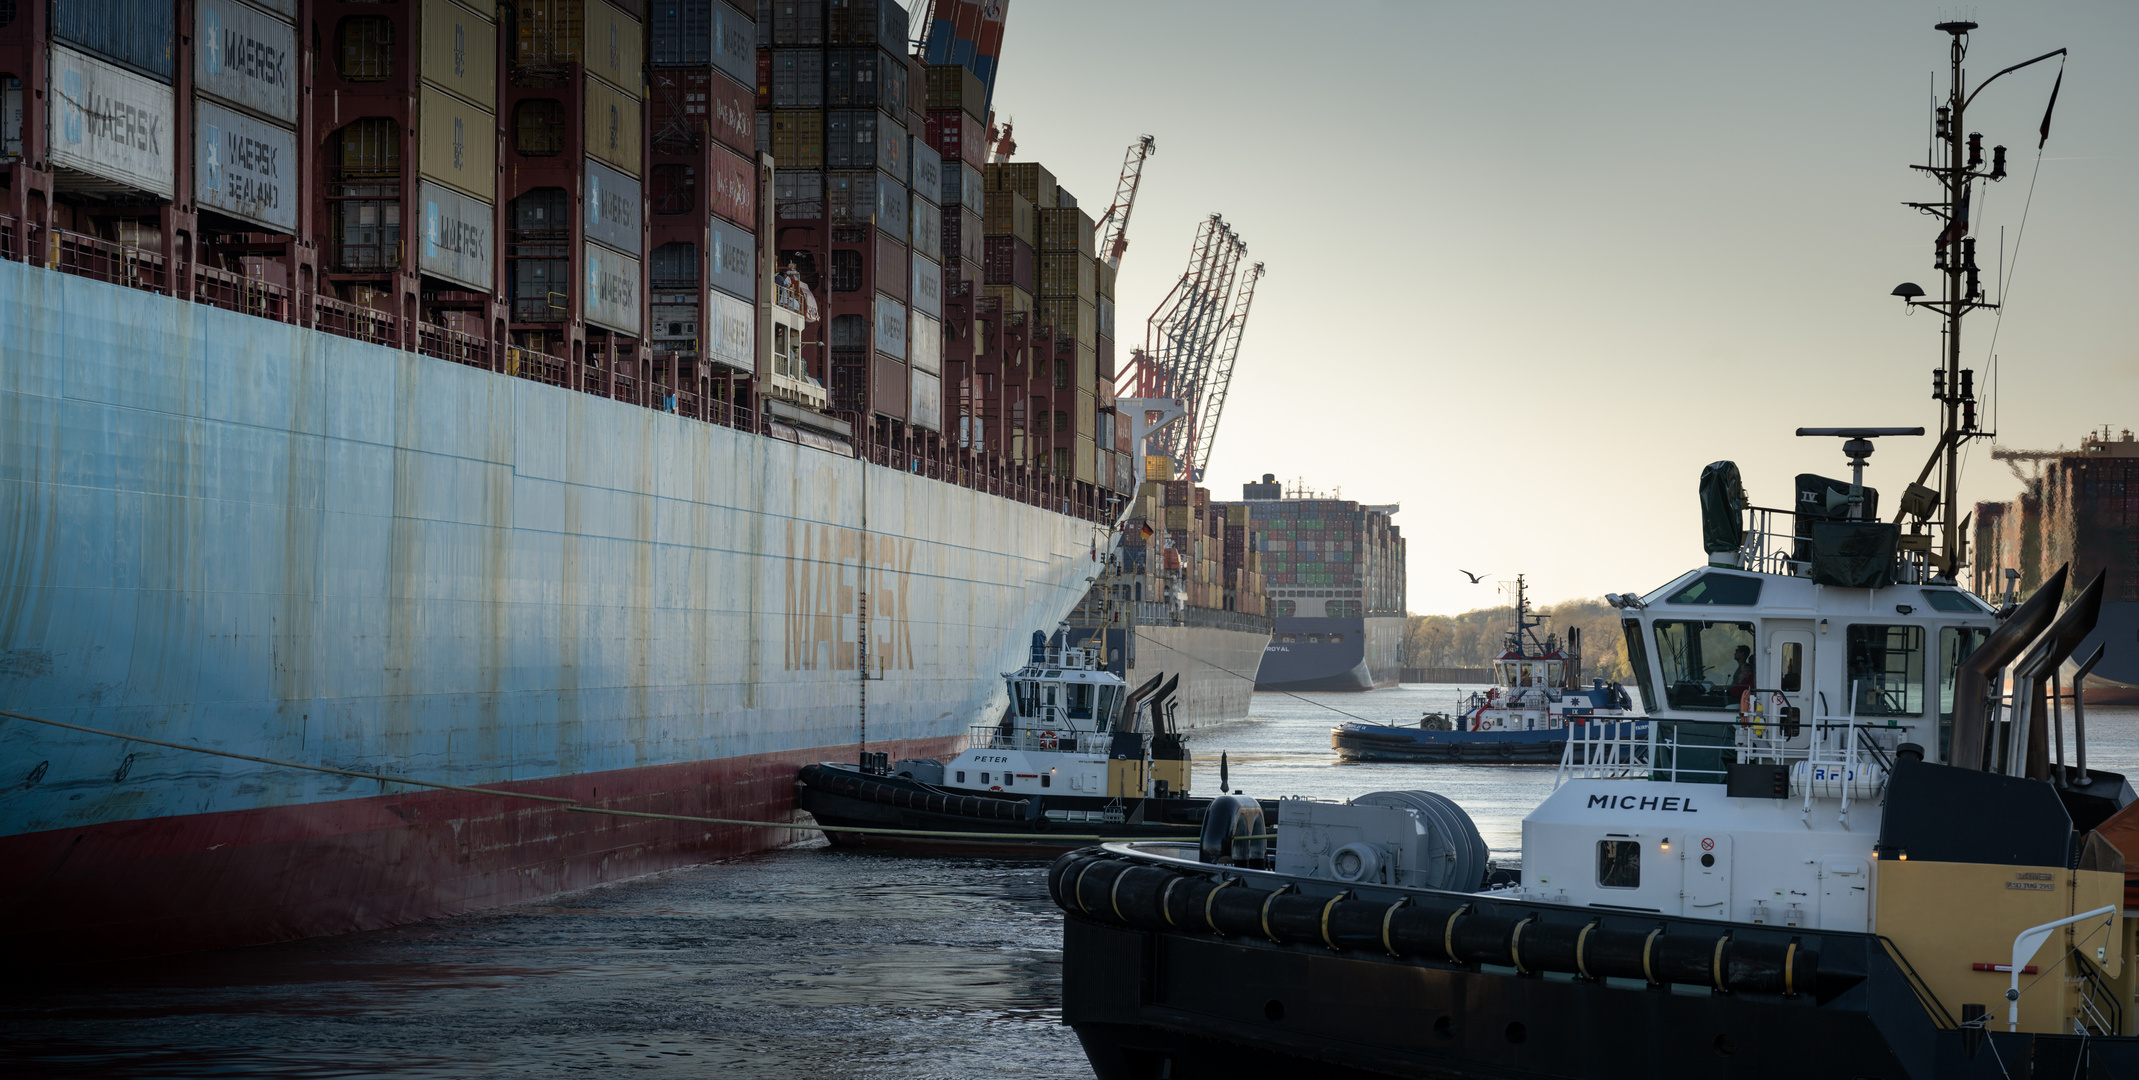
1474 638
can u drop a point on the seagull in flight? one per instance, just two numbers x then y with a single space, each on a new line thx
1475 578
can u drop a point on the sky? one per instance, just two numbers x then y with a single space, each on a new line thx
1532 265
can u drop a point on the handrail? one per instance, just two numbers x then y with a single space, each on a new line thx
1931 1003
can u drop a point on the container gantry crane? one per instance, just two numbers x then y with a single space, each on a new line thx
1114 224
1221 378
1184 340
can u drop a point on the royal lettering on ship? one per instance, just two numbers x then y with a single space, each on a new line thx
1681 804
829 571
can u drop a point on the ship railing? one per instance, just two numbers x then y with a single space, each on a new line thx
344 319
105 260
1772 546
1023 739
536 366
446 343
233 291
1666 751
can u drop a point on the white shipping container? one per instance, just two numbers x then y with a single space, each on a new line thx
732 331
731 259
459 236
890 327
244 167
111 123
927 347
612 283
927 166
247 57
926 227
925 403
925 291
613 206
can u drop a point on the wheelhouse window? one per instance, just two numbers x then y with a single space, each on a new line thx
1732 589
1638 659
1791 678
1619 864
1707 665
1080 700
1028 702
1109 700
1955 644
1955 601
1886 670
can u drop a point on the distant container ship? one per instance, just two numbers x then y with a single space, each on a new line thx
603 403
2082 507
1335 574
1184 597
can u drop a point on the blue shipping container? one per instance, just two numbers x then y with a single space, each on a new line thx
136 33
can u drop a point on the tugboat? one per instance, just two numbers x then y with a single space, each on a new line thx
1876 861
1076 754
1537 693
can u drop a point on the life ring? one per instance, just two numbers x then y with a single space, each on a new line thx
1047 740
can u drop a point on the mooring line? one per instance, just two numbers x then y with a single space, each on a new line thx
577 806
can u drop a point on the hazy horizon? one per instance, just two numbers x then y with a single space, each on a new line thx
1531 267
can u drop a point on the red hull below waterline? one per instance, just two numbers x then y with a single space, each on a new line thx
180 884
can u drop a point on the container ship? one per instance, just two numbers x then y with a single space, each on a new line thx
2079 507
1335 570
604 403
1184 596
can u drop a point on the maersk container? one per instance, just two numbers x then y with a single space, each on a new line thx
925 232
890 338
456 143
1067 274
132 33
798 22
927 168
798 195
732 259
612 202
247 58
612 131
891 143
459 237
972 193
797 79
458 51
850 138
125 134
734 186
954 86
892 204
881 23
731 331
1106 324
612 281
1106 277
963 237
735 36
924 292
891 272
245 167
925 409
553 33
702 101
797 139
866 79
1007 260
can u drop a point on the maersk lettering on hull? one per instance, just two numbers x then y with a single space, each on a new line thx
239 534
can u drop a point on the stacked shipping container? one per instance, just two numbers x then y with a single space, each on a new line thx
569 190
1207 548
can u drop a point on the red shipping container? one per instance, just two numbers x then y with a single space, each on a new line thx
706 102
954 134
735 188
764 78
1007 260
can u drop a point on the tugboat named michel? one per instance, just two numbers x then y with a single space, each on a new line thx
1077 753
1523 718
1877 861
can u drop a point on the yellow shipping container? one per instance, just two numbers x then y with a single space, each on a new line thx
612 132
1013 298
797 139
1087 415
459 52
1236 514
1087 460
553 33
1158 467
1177 517
456 143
